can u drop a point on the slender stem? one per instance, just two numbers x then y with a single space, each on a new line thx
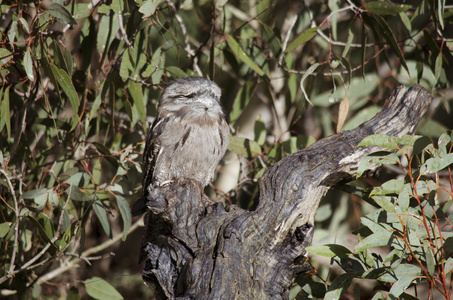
16 233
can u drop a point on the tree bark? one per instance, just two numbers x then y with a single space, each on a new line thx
197 249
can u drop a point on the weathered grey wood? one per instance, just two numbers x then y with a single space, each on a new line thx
197 249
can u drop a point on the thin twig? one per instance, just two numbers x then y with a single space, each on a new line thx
16 233
87 253
190 54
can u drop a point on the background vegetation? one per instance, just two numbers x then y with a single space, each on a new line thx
79 87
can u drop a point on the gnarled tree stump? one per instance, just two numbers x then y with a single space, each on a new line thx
197 249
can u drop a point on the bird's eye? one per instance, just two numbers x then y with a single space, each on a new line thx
191 95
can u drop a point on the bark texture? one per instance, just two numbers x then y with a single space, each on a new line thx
197 249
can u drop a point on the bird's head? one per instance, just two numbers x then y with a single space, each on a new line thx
197 92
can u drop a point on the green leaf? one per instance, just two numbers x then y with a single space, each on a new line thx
307 73
244 147
35 193
241 101
64 81
135 90
28 65
363 40
176 72
377 239
237 50
125 211
75 193
5 118
260 131
404 274
381 140
61 13
102 217
42 232
4 229
4 53
393 186
438 66
149 7
126 67
329 250
339 285
385 8
385 158
304 37
100 289
436 164
390 38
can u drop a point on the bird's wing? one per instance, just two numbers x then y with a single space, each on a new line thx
152 148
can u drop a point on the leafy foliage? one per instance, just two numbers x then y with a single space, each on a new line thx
410 225
80 82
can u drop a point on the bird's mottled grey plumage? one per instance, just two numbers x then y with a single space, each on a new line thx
189 135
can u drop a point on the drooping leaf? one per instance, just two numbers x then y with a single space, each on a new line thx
149 7
62 14
28 65
385 8
302 39
4 228
100 289
242 100
5 119
342 112
135 90
239 52
244 147
307 73
64 81
329 250
377 239
436 164
102 217
177 72
339 285
377 158
438 66
125 212
390 38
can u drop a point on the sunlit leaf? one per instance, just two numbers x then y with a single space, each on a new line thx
376 158
436 164
377 239
329 250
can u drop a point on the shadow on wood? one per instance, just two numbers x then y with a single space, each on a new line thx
197 249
